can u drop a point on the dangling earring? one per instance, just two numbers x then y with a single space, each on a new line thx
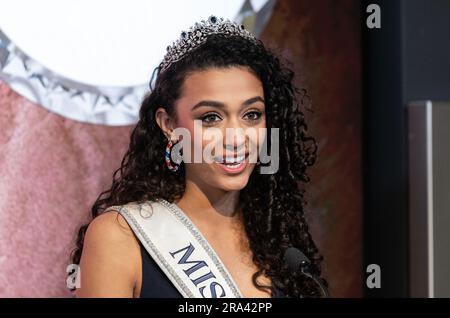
172 167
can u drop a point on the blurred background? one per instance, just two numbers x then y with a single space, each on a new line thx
72 75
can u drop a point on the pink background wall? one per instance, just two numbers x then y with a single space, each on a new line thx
52 168
51 171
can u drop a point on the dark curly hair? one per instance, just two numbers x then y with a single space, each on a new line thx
272 204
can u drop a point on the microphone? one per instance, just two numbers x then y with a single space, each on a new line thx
296 260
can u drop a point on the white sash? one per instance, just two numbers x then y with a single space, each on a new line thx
179 249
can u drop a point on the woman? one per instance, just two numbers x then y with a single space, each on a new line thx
243 220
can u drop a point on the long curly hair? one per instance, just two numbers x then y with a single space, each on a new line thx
272 204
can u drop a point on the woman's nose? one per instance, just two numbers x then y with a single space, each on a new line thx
234 139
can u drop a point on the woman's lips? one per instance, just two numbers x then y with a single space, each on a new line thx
233 165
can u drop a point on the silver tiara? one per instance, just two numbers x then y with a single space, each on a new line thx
197 35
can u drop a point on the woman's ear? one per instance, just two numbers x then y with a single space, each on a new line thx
164 121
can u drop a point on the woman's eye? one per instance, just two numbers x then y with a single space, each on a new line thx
210 118
253 115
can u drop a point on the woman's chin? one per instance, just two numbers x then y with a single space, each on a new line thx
234 183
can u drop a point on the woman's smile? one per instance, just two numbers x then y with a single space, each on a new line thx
232 164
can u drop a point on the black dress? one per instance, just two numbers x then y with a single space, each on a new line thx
155 283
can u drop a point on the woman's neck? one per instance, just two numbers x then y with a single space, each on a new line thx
210 205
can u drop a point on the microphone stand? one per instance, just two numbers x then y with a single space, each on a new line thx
305 270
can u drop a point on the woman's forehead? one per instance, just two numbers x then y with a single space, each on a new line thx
221 84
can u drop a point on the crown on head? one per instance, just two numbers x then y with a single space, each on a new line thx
198 34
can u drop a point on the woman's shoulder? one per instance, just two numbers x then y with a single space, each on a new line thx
133 206
135 212
109 224
113 224
109 248
114 221
111 234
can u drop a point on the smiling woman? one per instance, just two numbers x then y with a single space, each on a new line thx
226 100
206 229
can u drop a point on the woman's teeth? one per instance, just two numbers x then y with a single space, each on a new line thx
231 161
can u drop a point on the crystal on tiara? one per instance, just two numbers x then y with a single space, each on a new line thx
198 34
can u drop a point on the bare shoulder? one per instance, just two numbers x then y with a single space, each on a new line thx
110 250
110 225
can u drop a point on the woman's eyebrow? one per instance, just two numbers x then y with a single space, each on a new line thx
253 100
218 104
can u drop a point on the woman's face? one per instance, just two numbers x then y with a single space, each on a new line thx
221 98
